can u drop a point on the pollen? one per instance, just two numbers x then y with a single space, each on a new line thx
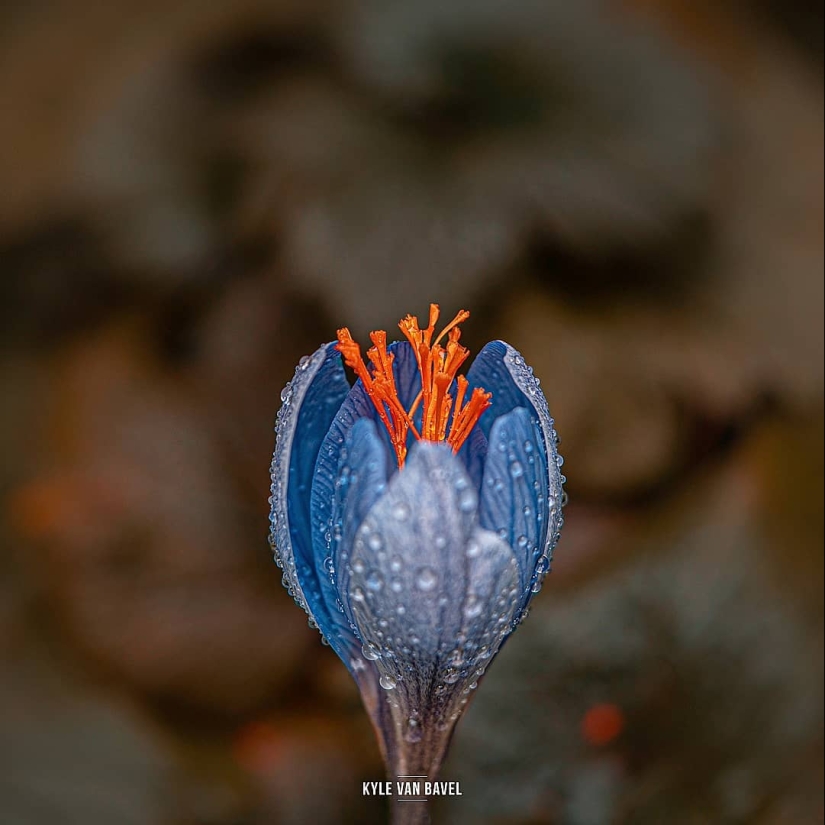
446 413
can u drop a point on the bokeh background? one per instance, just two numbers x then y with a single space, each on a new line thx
194 195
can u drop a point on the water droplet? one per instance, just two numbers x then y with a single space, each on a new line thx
304 362
516 470
358 566
426 579
387 682
357 594
329 566
522 541
286 392
536 587
370 652
374 581
400 610
467 501
396 586
375 542
559 460
473 550
528 446
401 512
413 733
451 675
526 510
473 607
396 564
440 542
564 499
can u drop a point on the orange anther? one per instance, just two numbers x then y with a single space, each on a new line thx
438 366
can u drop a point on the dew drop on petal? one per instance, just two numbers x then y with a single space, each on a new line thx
374 581
473 607
387 682
473 550
375 542
396 563
516 470
370 652
426 579
401 511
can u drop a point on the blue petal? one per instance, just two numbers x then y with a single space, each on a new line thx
341 500
405 371
310 402
358 405
514 490
502 371
433 596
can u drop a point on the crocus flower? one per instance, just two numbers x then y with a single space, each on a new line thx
414 515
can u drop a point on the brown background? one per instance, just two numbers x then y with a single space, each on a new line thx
193 195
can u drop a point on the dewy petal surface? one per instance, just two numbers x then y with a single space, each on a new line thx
341 501
310 402
431 593
502 370
515 488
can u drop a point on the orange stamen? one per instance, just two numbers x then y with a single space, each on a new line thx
438 366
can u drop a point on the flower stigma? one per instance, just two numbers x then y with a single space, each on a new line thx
444 418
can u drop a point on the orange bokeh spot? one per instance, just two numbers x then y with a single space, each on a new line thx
258 747
602 724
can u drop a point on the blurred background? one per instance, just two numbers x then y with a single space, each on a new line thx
194 195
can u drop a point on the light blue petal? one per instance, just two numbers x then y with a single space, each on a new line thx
433 596
310 402
500 369
514 490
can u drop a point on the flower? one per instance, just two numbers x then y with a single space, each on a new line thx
414 515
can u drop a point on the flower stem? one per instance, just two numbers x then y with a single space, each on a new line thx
410 813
